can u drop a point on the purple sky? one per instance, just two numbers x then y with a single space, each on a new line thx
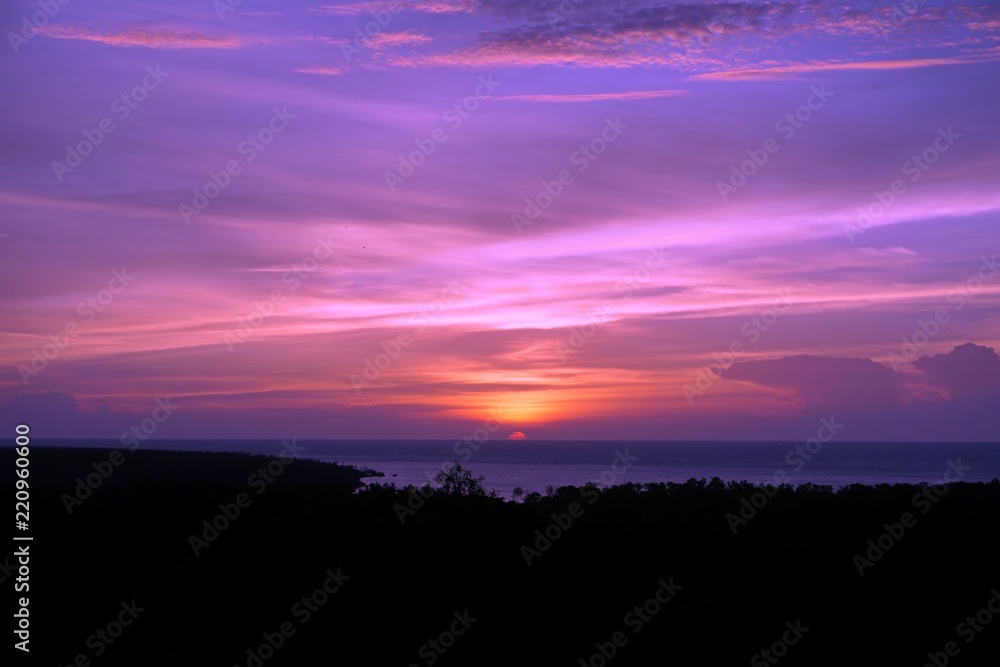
629 219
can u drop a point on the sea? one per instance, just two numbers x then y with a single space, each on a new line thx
535 465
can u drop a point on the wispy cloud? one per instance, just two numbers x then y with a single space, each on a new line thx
152 38
352 9
796 69
390 39
595 97
554 53
426 6
327 70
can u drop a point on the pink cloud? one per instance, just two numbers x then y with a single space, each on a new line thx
333 70
553 53
426 6
795 69
391 39
154 38
445 6
596 97
352 9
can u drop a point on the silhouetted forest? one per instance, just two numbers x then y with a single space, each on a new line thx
320 569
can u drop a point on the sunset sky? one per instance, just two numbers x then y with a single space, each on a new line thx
599 219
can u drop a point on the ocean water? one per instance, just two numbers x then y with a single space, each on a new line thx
535 465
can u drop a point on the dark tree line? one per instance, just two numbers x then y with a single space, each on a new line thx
404 589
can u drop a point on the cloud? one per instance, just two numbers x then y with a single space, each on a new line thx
328 70
985 25
595 97
599 35
444 6
426 6
152 38
555 52
56 414
828 383
891 252
793 70
352 9
713 35
968 372
965 385
385 40
381 41
28 406
276 414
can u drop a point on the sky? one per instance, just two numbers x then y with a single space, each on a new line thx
625 219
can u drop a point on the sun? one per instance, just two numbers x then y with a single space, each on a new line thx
517 435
